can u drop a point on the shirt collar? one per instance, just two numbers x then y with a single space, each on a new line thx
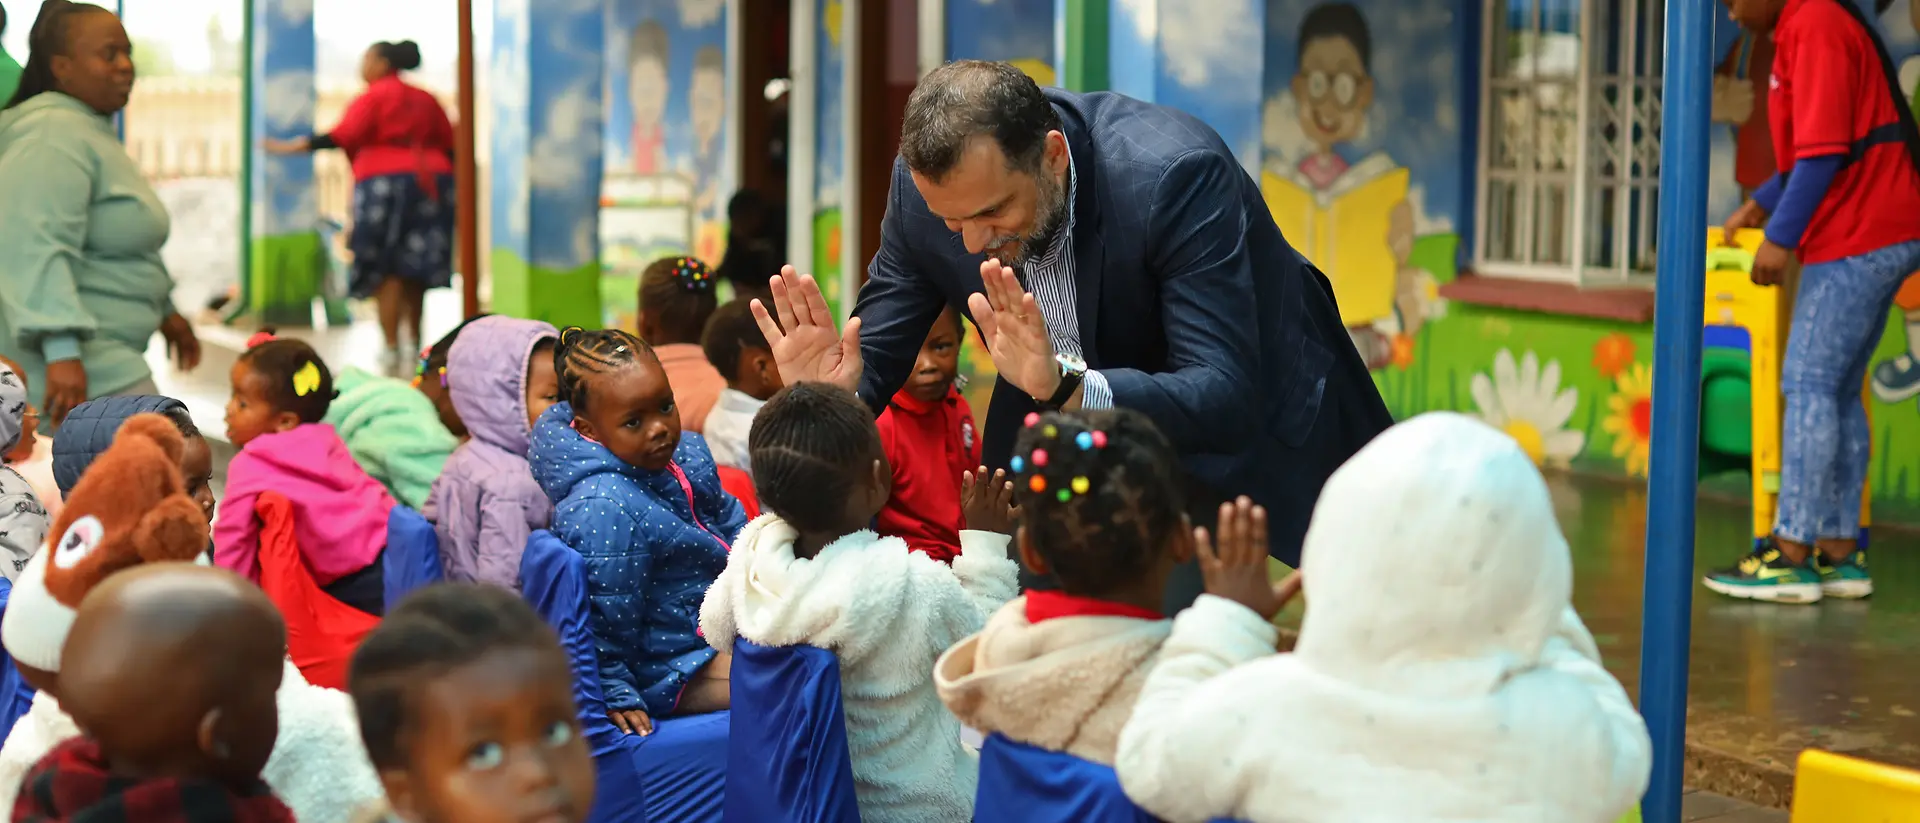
1043 605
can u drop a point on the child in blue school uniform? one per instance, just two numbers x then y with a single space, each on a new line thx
642 503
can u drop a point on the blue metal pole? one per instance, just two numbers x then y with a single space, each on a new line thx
1681 287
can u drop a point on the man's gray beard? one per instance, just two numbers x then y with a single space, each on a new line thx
1050 208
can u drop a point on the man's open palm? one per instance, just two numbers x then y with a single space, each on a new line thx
801 334
1015 331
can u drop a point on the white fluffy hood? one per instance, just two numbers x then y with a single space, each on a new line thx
1439 658
1440 637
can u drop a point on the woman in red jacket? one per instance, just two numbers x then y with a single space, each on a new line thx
401 145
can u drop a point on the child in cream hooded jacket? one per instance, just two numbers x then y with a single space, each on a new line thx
884 611
1441 672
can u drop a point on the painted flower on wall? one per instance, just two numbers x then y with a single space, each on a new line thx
1630 417
1525 400
1612 354
1401 352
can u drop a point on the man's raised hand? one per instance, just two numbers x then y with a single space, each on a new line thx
801 335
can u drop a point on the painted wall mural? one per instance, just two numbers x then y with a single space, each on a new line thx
830 134
1359 189
289 263
1015 31
667 177
546 87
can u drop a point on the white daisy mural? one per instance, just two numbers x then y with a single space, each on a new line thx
1525 400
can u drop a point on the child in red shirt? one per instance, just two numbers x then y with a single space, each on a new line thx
930 439
1846 203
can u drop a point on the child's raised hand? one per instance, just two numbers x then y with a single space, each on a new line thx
988 505
1235 565
632 721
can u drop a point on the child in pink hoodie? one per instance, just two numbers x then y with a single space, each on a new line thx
281 391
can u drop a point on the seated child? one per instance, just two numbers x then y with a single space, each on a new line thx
930 440
132 506
737 349
281 391
92 426
642 503
1060 670
23 520
430 377
466 705
1440 674
393 430
810 572
486 503
676 298
174 734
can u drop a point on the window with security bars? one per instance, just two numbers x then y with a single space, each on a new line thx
1569 154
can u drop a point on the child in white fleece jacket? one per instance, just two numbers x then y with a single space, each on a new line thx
1441 673
811 573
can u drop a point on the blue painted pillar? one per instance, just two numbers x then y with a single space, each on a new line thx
1210 70
287 261
546 93
1666 627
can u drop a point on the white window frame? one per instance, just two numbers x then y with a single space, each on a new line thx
1607 177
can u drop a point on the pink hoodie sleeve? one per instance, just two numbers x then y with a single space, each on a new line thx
236 529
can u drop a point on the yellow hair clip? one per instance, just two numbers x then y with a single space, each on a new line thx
307 380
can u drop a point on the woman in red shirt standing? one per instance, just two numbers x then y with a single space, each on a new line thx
1846 202
401 145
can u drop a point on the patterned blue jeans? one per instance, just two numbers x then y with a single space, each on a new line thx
1837 320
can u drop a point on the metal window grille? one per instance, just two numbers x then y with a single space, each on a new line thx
1569 139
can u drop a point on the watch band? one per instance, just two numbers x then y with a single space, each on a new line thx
1070 382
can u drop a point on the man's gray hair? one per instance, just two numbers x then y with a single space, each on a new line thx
965 99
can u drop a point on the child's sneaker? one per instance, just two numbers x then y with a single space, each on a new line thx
1847 579
1767 575
1897 379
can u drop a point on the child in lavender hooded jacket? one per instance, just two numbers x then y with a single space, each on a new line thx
486 503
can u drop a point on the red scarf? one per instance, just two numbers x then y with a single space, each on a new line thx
1047 605
72 783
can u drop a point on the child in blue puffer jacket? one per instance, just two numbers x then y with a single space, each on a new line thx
642 503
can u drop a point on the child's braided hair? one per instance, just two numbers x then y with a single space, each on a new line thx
811 446
582 353
297 379
678 291
433 631
1099 494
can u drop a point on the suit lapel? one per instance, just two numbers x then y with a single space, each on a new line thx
1089 257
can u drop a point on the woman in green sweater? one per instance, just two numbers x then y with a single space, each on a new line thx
82 287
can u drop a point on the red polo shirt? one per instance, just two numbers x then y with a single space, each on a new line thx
1828 91
930 445
395 128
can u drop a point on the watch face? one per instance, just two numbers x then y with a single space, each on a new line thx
1072 364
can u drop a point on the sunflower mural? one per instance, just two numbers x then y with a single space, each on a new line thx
1525 400
1630 417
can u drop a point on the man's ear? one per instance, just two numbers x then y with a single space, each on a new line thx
285 421
1029 556
1057 153
584 427
400 794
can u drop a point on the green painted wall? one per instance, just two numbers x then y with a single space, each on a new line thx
563 298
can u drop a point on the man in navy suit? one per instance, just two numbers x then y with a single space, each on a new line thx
1112 253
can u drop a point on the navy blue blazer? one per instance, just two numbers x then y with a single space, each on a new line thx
1191 304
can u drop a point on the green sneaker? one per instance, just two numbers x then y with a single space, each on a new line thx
1847 579
1767 575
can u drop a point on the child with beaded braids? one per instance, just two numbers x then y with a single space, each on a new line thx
281 393
642 503
1101 509
676 300
812 572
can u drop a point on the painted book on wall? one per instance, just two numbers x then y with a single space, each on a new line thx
1343 228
